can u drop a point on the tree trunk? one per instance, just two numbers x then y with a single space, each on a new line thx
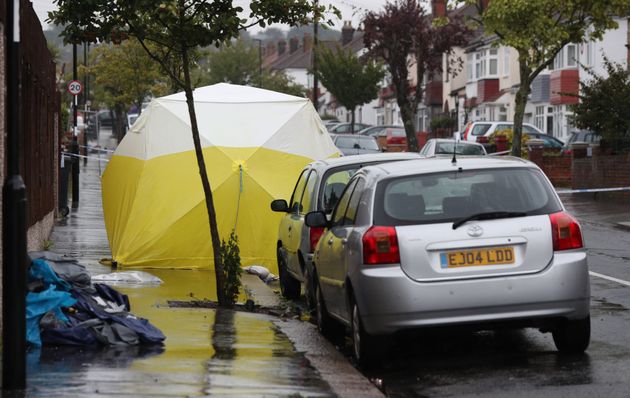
352 121
212 217
118 123
519 108
408 117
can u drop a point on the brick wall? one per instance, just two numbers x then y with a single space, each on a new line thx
601 172
557 168
563 82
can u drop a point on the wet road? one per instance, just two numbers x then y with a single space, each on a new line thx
525 363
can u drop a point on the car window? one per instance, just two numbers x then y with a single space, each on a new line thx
502 127
333 186
550 142
480 129
340 210
449 196
297 193
305 204
462 148
353 205
398 132
424 149
530 130
358 142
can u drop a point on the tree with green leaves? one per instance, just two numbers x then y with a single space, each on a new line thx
238 63
352 81
538 30
403 35
176 29
124 76
604 102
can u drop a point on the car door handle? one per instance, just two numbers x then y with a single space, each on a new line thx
330 241
290 228
344 241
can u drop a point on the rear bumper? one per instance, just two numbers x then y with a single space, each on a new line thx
389 301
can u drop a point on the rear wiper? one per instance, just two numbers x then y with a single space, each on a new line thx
488 216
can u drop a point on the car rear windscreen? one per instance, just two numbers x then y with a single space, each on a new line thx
359 142
450 196
462 148
480 129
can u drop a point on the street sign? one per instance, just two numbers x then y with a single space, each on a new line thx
75 87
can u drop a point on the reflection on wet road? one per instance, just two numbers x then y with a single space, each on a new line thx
207 352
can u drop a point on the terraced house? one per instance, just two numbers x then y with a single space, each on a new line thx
485 89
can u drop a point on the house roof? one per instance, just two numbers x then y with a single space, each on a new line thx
301 59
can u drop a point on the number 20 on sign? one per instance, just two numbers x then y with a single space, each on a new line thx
75 87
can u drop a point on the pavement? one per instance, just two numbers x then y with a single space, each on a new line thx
207 352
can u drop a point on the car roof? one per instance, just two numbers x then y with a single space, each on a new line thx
357 136
375 157
462 142
440 164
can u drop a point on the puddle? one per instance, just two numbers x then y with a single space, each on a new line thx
206 352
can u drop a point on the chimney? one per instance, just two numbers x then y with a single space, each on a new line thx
347 32
438 8
294 43
282 47
307 42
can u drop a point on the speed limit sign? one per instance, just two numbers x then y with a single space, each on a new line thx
75 87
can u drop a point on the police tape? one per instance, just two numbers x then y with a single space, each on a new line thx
592 190
84 157
95 148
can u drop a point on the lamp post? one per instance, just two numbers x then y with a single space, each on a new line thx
315 79
74 147
14 264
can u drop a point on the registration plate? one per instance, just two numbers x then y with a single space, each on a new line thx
476 257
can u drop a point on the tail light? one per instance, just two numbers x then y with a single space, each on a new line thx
565 232
380 246
482 139
314 234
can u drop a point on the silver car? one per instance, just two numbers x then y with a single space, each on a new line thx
446 147
481 242
318 188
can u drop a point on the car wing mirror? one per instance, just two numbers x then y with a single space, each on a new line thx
316 219
280 206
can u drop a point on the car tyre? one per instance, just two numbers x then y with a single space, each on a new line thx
366 349
289 286
325 324
573 337
309 290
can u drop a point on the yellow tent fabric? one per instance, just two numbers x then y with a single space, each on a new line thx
255 143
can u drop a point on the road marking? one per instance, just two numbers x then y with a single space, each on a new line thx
610 278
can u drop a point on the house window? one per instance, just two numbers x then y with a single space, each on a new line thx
539 118
572 55
502 114
486 64
506 61
558 62
558 121
469 66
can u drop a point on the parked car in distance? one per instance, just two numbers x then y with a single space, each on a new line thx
481 132
445 146
346 128
354 144
422 243
105 118
392 139
374 130
318 188
586 136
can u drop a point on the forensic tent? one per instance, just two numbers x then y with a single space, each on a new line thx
255 143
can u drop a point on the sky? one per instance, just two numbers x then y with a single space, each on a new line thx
350 9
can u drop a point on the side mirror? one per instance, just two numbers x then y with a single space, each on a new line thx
279 205
316 219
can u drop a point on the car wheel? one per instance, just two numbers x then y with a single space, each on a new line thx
366 348
573 337
325 324
289 286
